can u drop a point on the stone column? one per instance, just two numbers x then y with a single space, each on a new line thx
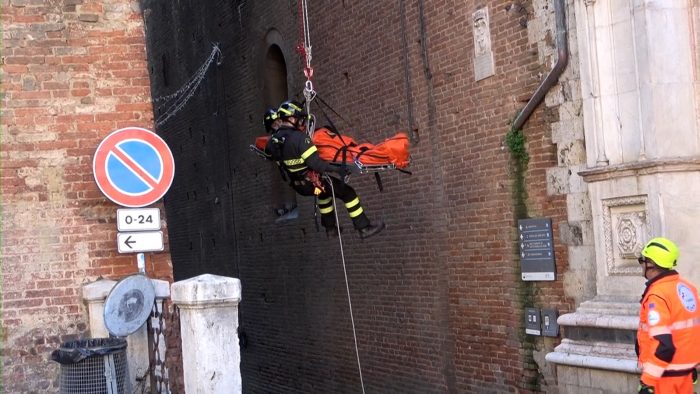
209 331
95 294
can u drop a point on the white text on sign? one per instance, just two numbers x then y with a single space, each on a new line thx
138 219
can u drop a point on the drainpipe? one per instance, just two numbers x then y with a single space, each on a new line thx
557 70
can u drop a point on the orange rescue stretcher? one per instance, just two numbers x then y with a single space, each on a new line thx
390 154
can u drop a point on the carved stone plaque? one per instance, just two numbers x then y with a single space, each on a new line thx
483 55
626 229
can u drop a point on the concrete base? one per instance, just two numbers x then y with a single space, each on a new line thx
576 380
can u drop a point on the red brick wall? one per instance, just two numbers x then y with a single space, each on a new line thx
73 71
451 296
437 298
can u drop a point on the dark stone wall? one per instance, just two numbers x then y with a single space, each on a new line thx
437 298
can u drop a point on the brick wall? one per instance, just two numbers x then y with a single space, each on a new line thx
437 297
72 72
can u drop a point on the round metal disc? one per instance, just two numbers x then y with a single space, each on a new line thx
129 305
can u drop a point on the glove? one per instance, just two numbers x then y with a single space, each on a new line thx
644 389
695 376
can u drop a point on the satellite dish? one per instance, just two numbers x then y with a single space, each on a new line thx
129 305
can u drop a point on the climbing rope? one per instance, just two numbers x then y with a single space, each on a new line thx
347 286
304 49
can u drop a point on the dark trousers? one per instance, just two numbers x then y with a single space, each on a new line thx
342 191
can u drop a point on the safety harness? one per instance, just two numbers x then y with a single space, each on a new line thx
293 170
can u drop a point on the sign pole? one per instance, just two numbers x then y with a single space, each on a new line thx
141 263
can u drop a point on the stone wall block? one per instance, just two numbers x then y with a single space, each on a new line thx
570 233
572 153
576 182
557 181
578 206
567 130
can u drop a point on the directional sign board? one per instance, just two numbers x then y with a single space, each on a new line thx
133 167
536 249
138 219
137 242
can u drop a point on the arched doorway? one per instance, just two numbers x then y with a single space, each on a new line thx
274 92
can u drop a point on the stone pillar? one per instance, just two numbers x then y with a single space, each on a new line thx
208 328
95 294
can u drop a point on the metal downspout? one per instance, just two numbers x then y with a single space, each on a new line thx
557 70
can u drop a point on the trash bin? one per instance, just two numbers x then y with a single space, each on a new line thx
93 366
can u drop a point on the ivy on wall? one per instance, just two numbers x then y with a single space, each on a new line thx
516 142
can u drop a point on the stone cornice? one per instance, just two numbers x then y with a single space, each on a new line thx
647 167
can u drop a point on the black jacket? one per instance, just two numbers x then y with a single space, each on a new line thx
296 153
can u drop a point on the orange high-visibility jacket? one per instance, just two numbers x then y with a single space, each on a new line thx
669 319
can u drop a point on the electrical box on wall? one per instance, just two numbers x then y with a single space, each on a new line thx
550 328
532 321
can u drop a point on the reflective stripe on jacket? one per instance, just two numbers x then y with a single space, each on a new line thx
668 337
298 153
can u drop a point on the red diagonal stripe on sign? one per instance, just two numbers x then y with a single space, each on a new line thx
135 167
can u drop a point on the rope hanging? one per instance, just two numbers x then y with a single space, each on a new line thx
347 285
304 49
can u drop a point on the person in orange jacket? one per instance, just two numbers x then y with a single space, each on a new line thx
668 338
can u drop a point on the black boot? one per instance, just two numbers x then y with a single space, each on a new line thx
372 229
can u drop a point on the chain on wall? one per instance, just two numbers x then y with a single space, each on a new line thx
168 106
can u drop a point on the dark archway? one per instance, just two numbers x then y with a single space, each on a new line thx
274 92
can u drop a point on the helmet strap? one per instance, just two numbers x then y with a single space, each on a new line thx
298 123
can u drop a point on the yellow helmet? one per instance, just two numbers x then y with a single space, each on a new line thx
663 252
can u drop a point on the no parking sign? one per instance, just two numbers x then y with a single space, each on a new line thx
133 167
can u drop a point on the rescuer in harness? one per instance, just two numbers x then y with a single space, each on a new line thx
668 338
292 149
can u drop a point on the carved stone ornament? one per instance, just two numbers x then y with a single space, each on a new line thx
625 228
483 54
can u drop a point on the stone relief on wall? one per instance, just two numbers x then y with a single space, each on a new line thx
483 55
626 229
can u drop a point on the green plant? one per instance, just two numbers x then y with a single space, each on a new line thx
516 142
519 160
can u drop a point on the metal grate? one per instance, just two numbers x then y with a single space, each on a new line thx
159 328
106 374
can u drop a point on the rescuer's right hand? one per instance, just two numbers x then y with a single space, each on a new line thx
644 389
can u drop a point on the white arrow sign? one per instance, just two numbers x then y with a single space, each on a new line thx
144 241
